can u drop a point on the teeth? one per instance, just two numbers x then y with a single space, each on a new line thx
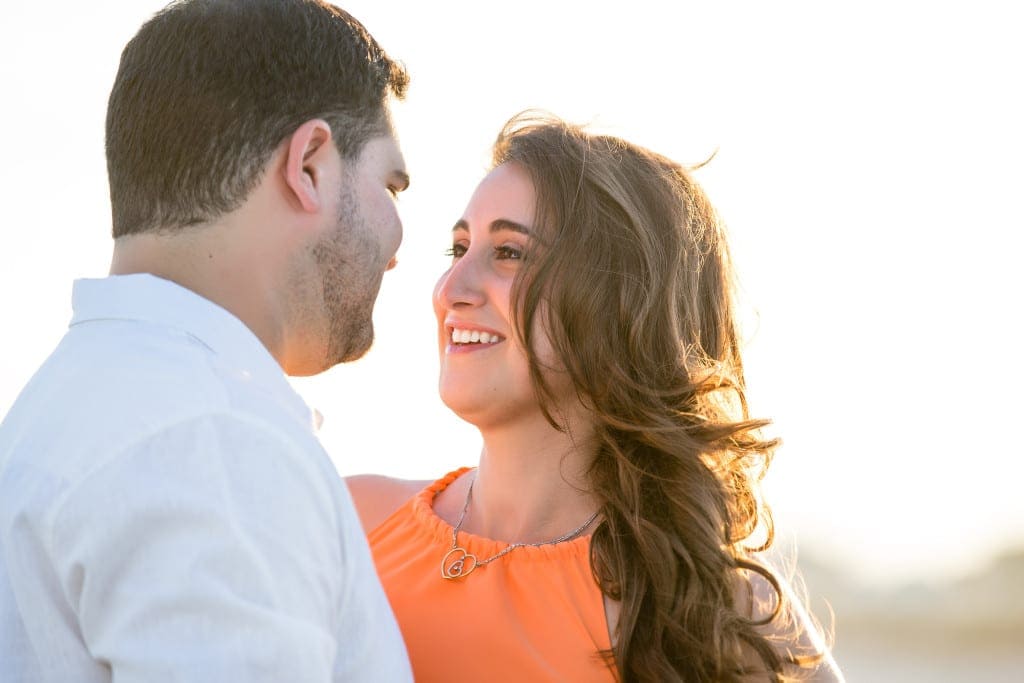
473 337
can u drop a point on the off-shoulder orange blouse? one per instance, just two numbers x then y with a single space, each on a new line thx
535 614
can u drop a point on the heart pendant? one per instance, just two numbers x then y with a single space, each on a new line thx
457 563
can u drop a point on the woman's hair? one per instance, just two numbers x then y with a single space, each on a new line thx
630 278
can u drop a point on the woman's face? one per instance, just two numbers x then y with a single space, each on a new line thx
484 371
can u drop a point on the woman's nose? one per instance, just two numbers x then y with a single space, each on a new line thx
461 285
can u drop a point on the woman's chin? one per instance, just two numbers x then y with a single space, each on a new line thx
463 405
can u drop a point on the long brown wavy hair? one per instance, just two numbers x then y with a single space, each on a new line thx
631 279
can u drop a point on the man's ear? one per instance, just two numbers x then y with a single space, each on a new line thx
308 160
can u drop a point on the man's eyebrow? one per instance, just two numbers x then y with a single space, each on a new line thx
403 180
497 225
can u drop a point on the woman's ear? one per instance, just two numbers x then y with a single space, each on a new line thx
309 157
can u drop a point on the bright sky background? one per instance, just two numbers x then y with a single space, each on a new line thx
869 168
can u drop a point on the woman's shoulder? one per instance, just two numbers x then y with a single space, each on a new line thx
377 497
793 626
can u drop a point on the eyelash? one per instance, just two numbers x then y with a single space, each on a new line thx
503 253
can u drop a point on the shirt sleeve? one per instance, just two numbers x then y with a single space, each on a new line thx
207 552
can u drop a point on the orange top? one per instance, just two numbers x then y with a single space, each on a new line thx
535 614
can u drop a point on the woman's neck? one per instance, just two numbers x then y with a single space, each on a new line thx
531 485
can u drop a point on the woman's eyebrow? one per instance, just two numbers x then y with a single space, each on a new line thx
497 225
500 224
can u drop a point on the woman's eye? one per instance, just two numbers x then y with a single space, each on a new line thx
507 253
456 251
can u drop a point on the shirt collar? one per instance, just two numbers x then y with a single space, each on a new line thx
146 298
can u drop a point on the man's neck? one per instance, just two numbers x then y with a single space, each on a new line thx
205 261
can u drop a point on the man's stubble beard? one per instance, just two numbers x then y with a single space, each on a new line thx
349 263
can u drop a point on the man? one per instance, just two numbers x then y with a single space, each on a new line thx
166 511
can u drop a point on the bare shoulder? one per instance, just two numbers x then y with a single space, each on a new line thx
377 497
795 627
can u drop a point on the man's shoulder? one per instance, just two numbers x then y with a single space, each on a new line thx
124 380
76 420
85 396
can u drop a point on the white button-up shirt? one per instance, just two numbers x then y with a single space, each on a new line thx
168 514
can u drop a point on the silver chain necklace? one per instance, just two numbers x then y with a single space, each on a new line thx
459 562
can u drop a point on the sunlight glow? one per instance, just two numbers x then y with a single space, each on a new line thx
868 168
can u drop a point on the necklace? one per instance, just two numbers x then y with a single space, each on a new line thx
459 562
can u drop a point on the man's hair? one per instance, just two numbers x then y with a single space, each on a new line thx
208 89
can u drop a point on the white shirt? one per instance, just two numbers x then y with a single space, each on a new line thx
168 514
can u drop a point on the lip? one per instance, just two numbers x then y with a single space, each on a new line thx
452 348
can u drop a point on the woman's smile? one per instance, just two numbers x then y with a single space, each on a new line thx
466 339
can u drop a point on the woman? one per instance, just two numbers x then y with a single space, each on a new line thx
586 328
